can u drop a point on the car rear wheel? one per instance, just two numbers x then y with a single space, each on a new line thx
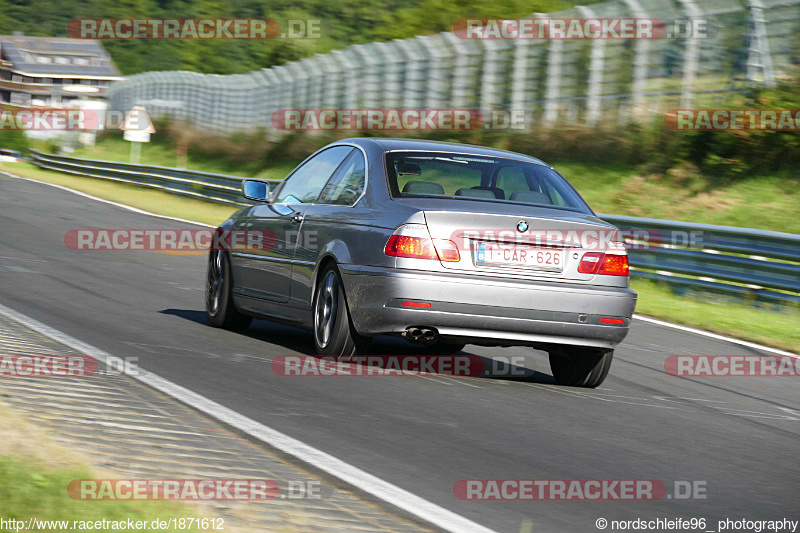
581 367
220 309
334 333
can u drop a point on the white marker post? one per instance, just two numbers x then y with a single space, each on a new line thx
137 127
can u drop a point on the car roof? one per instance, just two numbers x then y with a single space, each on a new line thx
392 144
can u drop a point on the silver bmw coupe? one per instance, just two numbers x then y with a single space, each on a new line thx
442 244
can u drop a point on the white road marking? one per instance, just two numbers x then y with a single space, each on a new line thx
713 335
117 204
679 399
792 411
754 414
733 411
353 476
434 379
460 381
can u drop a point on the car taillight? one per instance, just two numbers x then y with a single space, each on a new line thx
615 265
414 241
447 250
407 246
604 264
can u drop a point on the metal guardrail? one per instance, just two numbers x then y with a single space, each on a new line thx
749 264
208 186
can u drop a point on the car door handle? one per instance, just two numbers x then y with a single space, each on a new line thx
297 218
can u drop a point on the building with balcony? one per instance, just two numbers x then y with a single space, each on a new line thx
52 71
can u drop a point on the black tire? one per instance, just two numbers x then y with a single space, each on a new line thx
220 309
446 348
334 333
581 367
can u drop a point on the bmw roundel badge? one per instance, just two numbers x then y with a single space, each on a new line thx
522 226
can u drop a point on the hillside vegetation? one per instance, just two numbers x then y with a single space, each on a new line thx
342 23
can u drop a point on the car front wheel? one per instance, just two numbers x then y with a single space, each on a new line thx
580 366
220 309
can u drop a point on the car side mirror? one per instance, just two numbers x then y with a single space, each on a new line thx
256 190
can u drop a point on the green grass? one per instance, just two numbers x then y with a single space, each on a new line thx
114 148
762 202
36 491
706 311
35 472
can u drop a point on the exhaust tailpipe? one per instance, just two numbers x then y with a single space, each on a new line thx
421 335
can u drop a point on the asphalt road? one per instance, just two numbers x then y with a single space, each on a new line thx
739 436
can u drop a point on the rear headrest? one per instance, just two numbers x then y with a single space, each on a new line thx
423 187
476 193
530 197
498 192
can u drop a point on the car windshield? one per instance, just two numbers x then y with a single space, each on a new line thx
482 178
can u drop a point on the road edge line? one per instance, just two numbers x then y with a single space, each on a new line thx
97 198
709 334
407 502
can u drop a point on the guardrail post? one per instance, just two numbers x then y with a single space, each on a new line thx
435 94
369 89
553 84
392 82
459 85
349 88
690 56
596 64
414 79
490 70
758 53
640 50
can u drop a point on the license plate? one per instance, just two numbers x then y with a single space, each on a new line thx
509 255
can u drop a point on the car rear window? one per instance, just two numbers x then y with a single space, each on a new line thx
491 179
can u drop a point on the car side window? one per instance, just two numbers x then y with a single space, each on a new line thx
306 183
347 184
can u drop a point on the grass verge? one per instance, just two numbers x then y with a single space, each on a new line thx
114 148
777 329
704 311
35 472
761 202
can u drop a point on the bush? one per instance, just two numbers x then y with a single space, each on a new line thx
13 140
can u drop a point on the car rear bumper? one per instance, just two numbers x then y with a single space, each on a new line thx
486 310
